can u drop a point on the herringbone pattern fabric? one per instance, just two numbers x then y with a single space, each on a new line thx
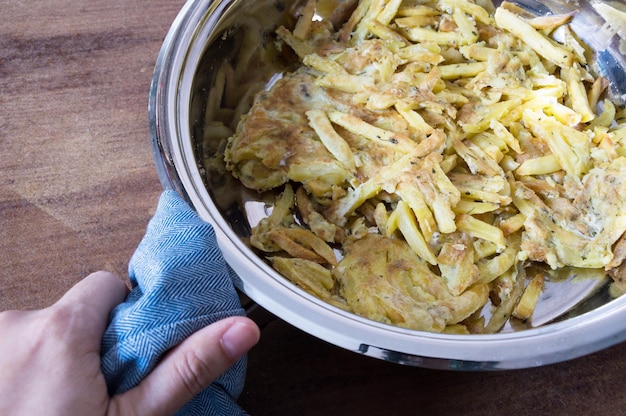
180 283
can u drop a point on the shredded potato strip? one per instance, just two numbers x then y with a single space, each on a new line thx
358 126
339 211
539 43
333 141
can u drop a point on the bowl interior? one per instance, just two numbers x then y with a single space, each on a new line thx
239 59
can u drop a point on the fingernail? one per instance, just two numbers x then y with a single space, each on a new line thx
238 339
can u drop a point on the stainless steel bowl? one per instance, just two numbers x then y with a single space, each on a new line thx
578 320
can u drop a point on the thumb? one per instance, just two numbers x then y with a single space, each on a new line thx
188 368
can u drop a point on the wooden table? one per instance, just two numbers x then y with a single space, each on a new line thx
78 186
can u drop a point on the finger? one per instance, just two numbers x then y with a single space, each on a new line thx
189 368
97 293
101 289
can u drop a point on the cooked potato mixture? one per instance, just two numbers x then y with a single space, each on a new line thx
435 161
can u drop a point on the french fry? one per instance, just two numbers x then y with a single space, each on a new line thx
302 243
503 311
569 146
541 165
470 69
388 12
550 22
466 25
324 64
538 42
416 20
414 118
528 301
386 137
485 115
480 229
385 32
512 224
309 275
340 209
578 94
551 106
471 8
490 269
418 10
597 88
456 263
470 207
505 135
456 329
346 82
330 172
320 226
408 226
283 208
477 160
464 305
299 46
381 218
374 8
335 144
423 53
478 52
415 199
303 25
419 34
606 117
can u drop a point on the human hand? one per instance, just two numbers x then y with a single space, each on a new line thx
50 358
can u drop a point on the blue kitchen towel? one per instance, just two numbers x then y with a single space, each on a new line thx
180 283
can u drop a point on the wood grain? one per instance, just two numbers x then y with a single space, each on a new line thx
78 186
78 183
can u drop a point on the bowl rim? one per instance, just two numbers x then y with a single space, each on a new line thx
174 158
